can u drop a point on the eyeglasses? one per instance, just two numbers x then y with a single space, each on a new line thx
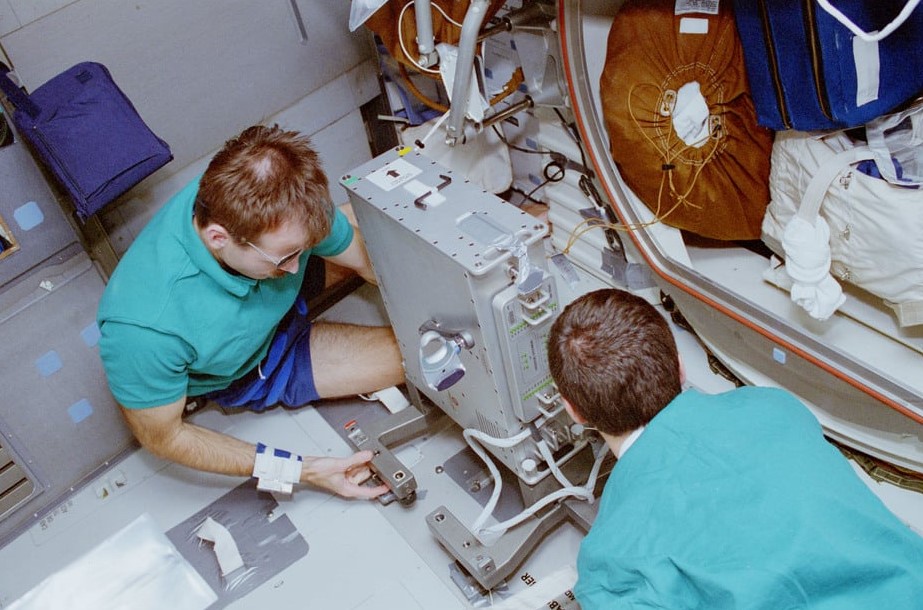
278 262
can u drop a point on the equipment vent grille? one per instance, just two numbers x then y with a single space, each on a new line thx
16 486
487 426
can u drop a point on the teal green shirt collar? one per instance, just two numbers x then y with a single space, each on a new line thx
201 257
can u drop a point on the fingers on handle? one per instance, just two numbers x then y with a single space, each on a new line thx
360 457
367 493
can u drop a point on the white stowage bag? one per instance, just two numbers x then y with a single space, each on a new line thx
361 10
483 159
137 567
875 227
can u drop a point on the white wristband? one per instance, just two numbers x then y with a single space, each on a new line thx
276 469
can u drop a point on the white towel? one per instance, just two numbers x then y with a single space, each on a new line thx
807 262
690 115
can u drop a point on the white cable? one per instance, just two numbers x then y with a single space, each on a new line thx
400 36
568 490
499 528
586 492
470 434
433 129
597 465
549 459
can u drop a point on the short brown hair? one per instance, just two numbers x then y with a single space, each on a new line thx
262 178
613 357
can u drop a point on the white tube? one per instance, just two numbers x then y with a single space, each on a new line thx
470 434
487 535
585 492
549 459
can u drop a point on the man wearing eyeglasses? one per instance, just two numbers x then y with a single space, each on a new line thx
210 301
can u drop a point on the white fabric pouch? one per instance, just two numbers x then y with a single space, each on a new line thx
875 228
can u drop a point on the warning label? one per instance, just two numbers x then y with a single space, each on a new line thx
393 174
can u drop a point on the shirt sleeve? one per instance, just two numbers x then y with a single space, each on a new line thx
144 368
339 238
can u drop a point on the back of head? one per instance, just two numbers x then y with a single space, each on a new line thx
613 357
262 178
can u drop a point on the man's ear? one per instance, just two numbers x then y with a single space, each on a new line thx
573 412
682 371
216 236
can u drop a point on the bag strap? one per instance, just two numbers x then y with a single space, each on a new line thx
15 95
881 35
903 147
823 178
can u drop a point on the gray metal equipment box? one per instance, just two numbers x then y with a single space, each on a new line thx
463 278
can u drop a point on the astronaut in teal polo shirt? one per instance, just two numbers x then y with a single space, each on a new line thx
210 301
723 501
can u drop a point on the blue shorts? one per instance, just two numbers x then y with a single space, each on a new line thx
285 375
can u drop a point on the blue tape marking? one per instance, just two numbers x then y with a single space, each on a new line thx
28 216
287 455
80 410
48 363
90 335
778 355
279 453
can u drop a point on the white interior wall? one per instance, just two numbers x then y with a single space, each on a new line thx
15 14
199 72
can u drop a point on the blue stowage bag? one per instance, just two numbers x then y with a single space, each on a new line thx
87 133
809 70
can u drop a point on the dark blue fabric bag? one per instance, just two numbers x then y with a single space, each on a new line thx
87 133
808 70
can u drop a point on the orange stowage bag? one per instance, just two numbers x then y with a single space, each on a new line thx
720 188
397 27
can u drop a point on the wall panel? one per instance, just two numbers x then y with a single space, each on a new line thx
198 71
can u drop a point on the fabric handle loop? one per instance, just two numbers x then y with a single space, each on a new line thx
859 32
15 95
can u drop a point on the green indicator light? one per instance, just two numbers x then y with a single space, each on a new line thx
544 385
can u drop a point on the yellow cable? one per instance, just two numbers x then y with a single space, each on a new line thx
668 158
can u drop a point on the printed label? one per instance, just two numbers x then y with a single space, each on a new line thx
709 7
393 174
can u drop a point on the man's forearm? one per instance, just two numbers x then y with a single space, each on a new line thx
164 432
211 451
204 449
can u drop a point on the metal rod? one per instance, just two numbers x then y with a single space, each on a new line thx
504 114
425 41
463 68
